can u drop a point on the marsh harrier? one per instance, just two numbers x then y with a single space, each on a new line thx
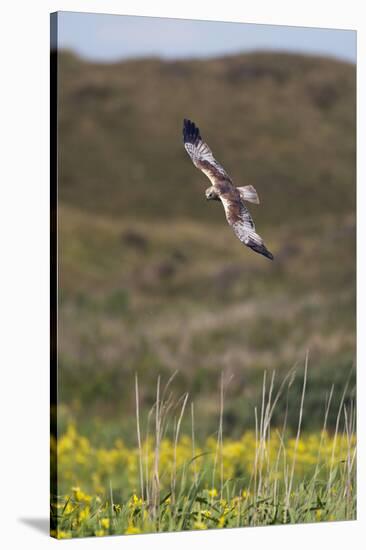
222 188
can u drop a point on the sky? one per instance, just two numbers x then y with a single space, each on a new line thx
108 38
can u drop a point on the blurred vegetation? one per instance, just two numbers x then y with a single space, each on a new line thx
152 279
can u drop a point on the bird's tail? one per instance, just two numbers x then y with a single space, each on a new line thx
248 193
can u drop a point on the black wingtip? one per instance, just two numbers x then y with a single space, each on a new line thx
267 254
259 248
262 249
191 132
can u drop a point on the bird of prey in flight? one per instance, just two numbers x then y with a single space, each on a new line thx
222 188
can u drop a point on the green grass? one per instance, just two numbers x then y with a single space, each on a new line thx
195 509
173 481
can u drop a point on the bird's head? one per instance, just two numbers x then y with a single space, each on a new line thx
211 194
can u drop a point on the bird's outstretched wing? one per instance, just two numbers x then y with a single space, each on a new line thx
201 154
241 221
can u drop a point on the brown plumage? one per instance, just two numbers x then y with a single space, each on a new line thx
223 189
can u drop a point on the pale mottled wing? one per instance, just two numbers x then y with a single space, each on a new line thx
241 221
201 154
237 214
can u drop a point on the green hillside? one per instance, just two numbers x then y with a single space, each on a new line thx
284 123
151 277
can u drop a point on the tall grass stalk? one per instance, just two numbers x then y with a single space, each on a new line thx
288 494
195 476
176 436
141 470
271 484
331 469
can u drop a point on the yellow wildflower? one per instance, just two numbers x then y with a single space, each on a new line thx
63 535
199 525
221 521
69 508
84 514
104 522
131 530
80 496
135 501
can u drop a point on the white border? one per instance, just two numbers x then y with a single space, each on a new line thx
25 264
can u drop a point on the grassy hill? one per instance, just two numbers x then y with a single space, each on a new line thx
152 278
285 123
